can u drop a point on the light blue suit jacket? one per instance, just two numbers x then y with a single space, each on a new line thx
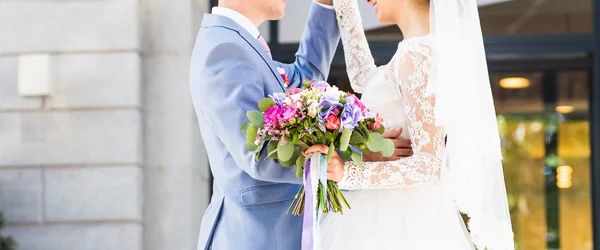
229 74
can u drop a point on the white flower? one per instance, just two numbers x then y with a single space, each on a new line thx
333 90
296 97
287 101
313 107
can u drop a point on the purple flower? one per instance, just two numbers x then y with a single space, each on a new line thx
322 84
329 102
278 98
351 114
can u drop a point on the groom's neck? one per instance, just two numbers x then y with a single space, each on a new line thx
243 8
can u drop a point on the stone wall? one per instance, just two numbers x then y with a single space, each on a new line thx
111 158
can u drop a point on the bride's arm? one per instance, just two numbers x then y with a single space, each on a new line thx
359 61
409 74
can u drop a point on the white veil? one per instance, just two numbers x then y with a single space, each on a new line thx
465 108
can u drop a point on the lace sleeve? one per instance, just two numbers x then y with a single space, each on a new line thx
359 61
409 72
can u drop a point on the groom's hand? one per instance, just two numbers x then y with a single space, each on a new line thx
326 2
402 148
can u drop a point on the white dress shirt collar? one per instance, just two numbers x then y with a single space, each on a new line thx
243 21
237 18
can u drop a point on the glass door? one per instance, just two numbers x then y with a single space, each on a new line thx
544 124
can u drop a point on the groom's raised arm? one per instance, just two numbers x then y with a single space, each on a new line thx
317 47
238 87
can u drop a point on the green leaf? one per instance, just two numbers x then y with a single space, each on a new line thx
330 152
357 138
361 132
244 127
302 145
347 153
265 104
272 150
381 130
375 143
295 139
285 152
357 159
363 148
251 134
250 146
300 166
256 118
345 139
292 161
388 148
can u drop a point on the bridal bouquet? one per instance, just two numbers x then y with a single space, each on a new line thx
288 123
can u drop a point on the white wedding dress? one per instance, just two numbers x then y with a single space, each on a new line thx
404 204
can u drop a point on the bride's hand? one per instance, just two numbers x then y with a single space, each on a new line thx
335 169
402 148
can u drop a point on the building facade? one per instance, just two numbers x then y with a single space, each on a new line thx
101 150
106 154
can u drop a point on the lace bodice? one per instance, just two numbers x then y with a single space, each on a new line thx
403 82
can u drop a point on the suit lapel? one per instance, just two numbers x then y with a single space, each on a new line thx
216 20
253 42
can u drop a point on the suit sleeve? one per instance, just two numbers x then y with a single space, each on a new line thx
239 88
317 47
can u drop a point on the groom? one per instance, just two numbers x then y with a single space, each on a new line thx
231 71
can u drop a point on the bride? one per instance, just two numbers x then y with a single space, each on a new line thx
437 86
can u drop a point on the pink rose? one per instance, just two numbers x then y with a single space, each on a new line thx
294 91
332 122
288 113
272 115
378 122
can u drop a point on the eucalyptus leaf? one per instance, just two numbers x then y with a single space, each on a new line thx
302 145
285 152
256 118
363 148
347 153
345 139
357 159
375 143
388 148
251 133
292 161
300 165
250 146
330 152
244 127
357 138
272 150
265 104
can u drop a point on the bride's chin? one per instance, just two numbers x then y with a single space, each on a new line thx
383 20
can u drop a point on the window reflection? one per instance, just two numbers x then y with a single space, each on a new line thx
527 124
521 17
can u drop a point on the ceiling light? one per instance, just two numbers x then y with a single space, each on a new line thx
565 109
514 83
564 178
